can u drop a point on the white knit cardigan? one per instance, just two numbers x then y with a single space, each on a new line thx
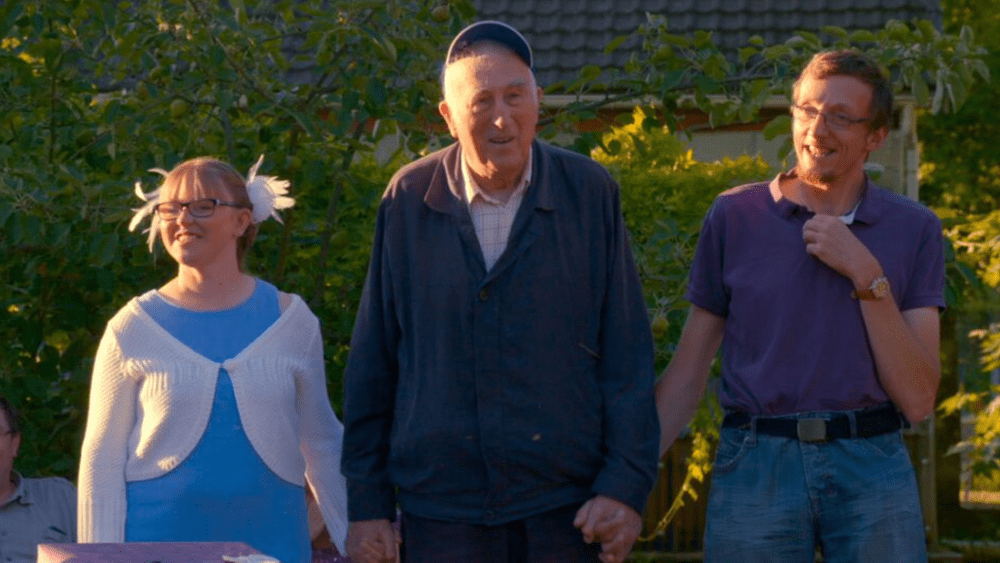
150 401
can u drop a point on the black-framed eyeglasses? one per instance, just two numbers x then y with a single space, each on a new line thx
200 208
835 120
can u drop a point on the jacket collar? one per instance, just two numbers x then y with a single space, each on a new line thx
445 193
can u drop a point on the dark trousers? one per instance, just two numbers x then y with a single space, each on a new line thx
544 538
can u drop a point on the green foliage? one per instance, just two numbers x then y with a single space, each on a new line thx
960 176
960 165
983 446
93 93
665 194
977 243
691 72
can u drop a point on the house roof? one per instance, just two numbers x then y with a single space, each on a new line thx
566 35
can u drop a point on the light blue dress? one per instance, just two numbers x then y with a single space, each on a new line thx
223 491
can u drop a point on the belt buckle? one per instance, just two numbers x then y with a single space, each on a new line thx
811 430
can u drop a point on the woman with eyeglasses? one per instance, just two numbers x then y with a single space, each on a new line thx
208 405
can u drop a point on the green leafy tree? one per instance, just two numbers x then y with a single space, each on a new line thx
665 195
692 72
959 169
976 238
92 94
960 165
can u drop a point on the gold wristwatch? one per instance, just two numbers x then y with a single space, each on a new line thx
877 290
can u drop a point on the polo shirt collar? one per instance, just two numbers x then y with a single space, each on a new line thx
868 210
872 204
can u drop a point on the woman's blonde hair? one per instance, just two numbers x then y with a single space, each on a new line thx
208 175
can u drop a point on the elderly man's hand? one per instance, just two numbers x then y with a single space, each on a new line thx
611 522
373 541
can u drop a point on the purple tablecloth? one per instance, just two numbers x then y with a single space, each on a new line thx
141 552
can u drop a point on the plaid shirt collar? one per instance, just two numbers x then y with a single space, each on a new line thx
472 189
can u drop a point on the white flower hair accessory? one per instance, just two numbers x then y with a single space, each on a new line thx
267 194
151 199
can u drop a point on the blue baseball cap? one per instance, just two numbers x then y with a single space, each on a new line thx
495 31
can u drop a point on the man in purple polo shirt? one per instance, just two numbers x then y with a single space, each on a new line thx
824 292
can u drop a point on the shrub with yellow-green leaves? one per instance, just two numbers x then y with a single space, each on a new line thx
665 193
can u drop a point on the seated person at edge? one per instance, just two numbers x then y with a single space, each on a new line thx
32 511
208 406
823 291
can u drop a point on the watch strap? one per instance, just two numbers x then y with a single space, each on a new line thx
878 289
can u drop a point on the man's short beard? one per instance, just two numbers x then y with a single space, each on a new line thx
815 179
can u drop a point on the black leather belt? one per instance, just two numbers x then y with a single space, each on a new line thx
837 426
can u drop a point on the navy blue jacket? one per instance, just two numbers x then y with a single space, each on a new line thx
486 397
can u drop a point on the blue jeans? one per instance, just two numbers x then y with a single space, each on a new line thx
779 499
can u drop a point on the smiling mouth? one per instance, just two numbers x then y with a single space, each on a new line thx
818 153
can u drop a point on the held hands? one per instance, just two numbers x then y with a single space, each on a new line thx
828 239
613 523
373 541
604 519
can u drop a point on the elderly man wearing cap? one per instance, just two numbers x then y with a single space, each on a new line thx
499 384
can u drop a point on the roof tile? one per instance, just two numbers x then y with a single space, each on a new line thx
567 34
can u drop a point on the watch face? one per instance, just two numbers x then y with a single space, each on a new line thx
880 287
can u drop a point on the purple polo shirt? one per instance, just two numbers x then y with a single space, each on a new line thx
794 338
